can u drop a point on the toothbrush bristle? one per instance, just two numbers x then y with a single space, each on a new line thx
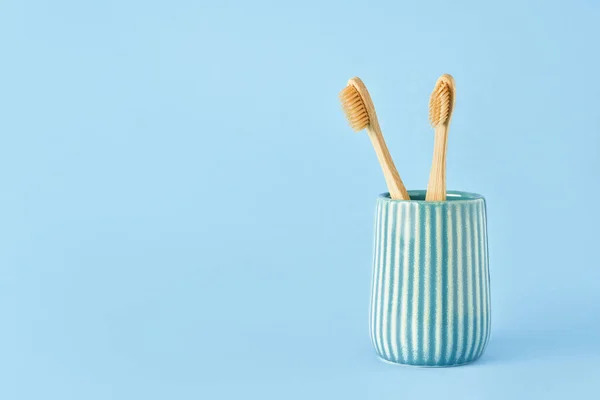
354 108
441 101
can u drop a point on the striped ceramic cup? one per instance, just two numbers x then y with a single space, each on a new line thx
430 294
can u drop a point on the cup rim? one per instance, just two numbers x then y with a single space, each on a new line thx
457 196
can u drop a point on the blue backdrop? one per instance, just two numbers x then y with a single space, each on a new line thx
185 213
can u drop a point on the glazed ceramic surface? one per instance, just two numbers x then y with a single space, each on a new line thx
430 295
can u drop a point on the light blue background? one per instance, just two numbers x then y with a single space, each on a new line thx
185 214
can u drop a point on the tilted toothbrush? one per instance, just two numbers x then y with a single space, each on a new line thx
360 112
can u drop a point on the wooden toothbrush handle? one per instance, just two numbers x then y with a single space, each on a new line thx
436 188
390 173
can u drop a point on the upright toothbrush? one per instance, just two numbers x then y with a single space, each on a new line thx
441 105
360 112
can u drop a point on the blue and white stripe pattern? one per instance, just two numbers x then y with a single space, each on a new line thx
430 295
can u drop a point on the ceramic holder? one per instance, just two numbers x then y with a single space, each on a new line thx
430 292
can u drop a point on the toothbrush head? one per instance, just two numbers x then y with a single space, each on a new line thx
441 102
357 105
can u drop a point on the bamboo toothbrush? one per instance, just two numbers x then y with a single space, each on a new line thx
360 111
441 105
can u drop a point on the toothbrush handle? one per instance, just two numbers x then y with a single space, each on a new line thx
436 188
390 173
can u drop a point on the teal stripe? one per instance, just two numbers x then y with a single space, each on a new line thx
389 251
487 296
421 285
374 273
406 277
410 350
455 300
395 309
376 269
413 293
429 324
384 263
445 290
438 288
473 281
425 321
379 278
471 285
485 281
479 275
465 286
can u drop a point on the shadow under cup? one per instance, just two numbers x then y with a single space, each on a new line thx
430 294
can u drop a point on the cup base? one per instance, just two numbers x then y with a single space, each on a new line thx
424 365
